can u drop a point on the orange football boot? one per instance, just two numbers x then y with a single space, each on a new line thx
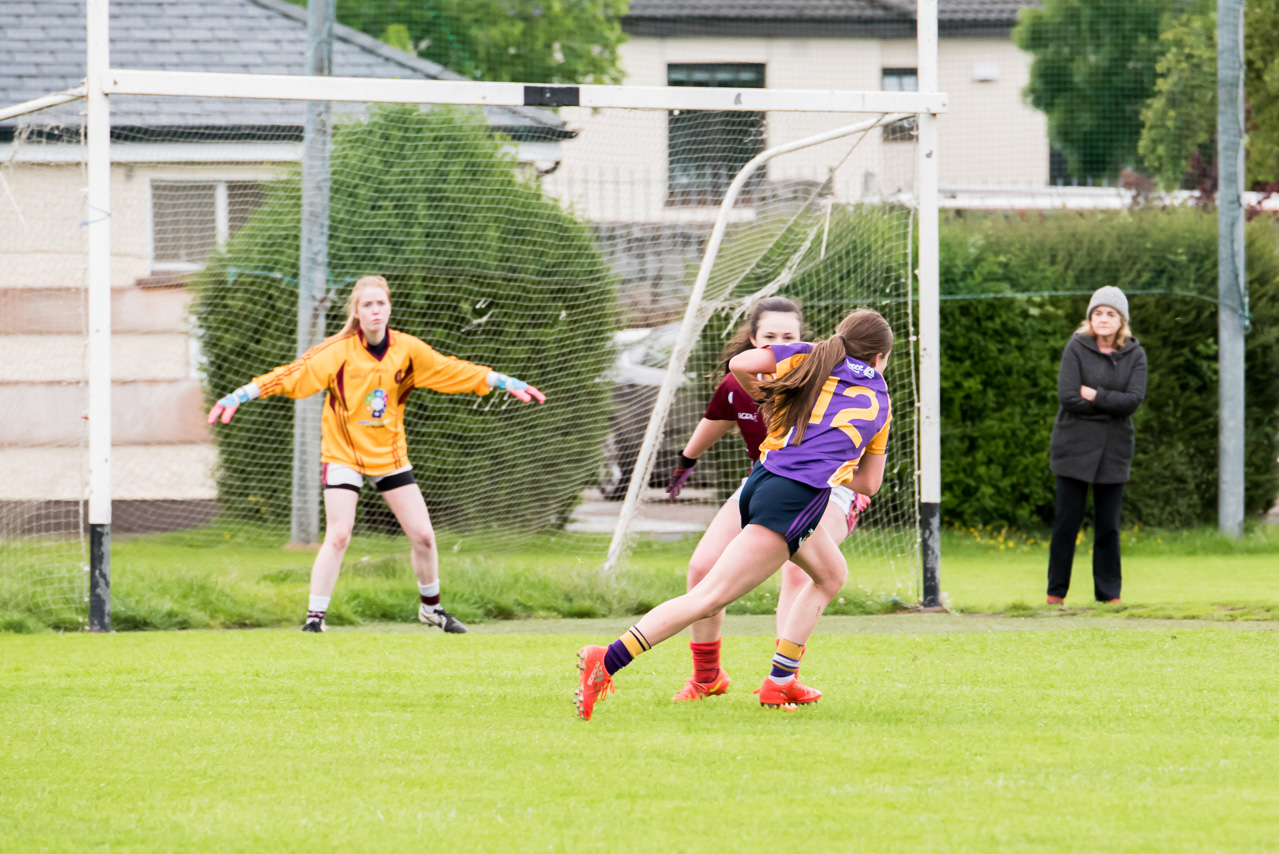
694 690
789 696
594 683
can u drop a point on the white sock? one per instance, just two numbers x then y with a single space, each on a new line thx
432 589
318 603
782 680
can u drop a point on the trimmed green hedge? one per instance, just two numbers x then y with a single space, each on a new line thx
1001 347
482 266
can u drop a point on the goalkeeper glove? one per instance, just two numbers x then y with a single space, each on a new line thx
856 509
227 406
679 475
519 388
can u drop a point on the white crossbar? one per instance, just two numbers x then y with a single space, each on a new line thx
306 88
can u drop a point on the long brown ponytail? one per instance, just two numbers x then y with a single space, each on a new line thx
788 401
741 340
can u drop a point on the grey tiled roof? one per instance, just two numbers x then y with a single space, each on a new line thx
975 11
42 47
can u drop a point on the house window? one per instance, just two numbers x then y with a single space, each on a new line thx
189 219
706 150
900 80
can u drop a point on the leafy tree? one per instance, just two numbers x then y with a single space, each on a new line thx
1178 140
538 41
1179 121
1093 69
1261 84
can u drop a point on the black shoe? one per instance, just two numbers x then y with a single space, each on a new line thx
440 618
316 626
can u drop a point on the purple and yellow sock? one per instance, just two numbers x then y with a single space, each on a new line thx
786 661
622 651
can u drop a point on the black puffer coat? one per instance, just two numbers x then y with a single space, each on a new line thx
1093 440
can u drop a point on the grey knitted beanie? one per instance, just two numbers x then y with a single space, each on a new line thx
1111 296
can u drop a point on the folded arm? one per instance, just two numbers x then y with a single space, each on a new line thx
1125 401
1069 383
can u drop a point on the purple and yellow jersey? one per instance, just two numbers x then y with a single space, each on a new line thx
851 417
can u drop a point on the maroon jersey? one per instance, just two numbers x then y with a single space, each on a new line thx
731 403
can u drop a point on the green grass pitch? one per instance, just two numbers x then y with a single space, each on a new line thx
1079 739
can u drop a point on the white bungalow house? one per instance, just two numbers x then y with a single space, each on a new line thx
186 175
992 143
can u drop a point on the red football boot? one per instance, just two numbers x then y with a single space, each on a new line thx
789 696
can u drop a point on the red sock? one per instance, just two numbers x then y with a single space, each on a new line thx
705 660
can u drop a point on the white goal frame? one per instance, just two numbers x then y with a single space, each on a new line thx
102 81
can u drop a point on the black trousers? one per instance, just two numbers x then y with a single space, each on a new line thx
1107 579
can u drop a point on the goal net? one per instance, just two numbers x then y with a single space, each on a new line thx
560 246
43 396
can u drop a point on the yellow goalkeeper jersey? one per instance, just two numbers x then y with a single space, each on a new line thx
363 424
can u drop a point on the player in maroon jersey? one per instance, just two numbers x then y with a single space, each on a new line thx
775 320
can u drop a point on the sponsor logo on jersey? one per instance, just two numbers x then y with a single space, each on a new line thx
375 403
747 416
861 370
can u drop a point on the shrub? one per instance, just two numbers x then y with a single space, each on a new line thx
1002 343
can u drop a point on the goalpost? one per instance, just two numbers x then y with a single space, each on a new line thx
798 215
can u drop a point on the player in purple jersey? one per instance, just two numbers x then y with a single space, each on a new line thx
828 414
771 321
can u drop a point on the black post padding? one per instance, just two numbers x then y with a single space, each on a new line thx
552 96
930 552
99 578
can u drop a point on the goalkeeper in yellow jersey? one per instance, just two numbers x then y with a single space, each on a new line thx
368 372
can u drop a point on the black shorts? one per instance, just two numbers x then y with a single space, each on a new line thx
790 508
338 476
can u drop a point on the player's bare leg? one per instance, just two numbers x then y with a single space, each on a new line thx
822 561
747 562
835 524
709 678
723 529
339 521
749 559
409 507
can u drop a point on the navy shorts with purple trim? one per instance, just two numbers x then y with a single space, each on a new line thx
790 508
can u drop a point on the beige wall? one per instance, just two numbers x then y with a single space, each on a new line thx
616 168
161 445
41 242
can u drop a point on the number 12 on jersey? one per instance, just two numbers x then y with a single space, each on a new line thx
844 418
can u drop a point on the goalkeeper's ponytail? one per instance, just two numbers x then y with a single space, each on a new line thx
352 319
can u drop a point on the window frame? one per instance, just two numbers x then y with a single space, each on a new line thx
704 195
906 130
221 217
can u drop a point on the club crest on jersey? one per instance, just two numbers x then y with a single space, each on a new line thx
375 402
860 370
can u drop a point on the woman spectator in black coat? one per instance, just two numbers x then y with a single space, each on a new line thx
1101 382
